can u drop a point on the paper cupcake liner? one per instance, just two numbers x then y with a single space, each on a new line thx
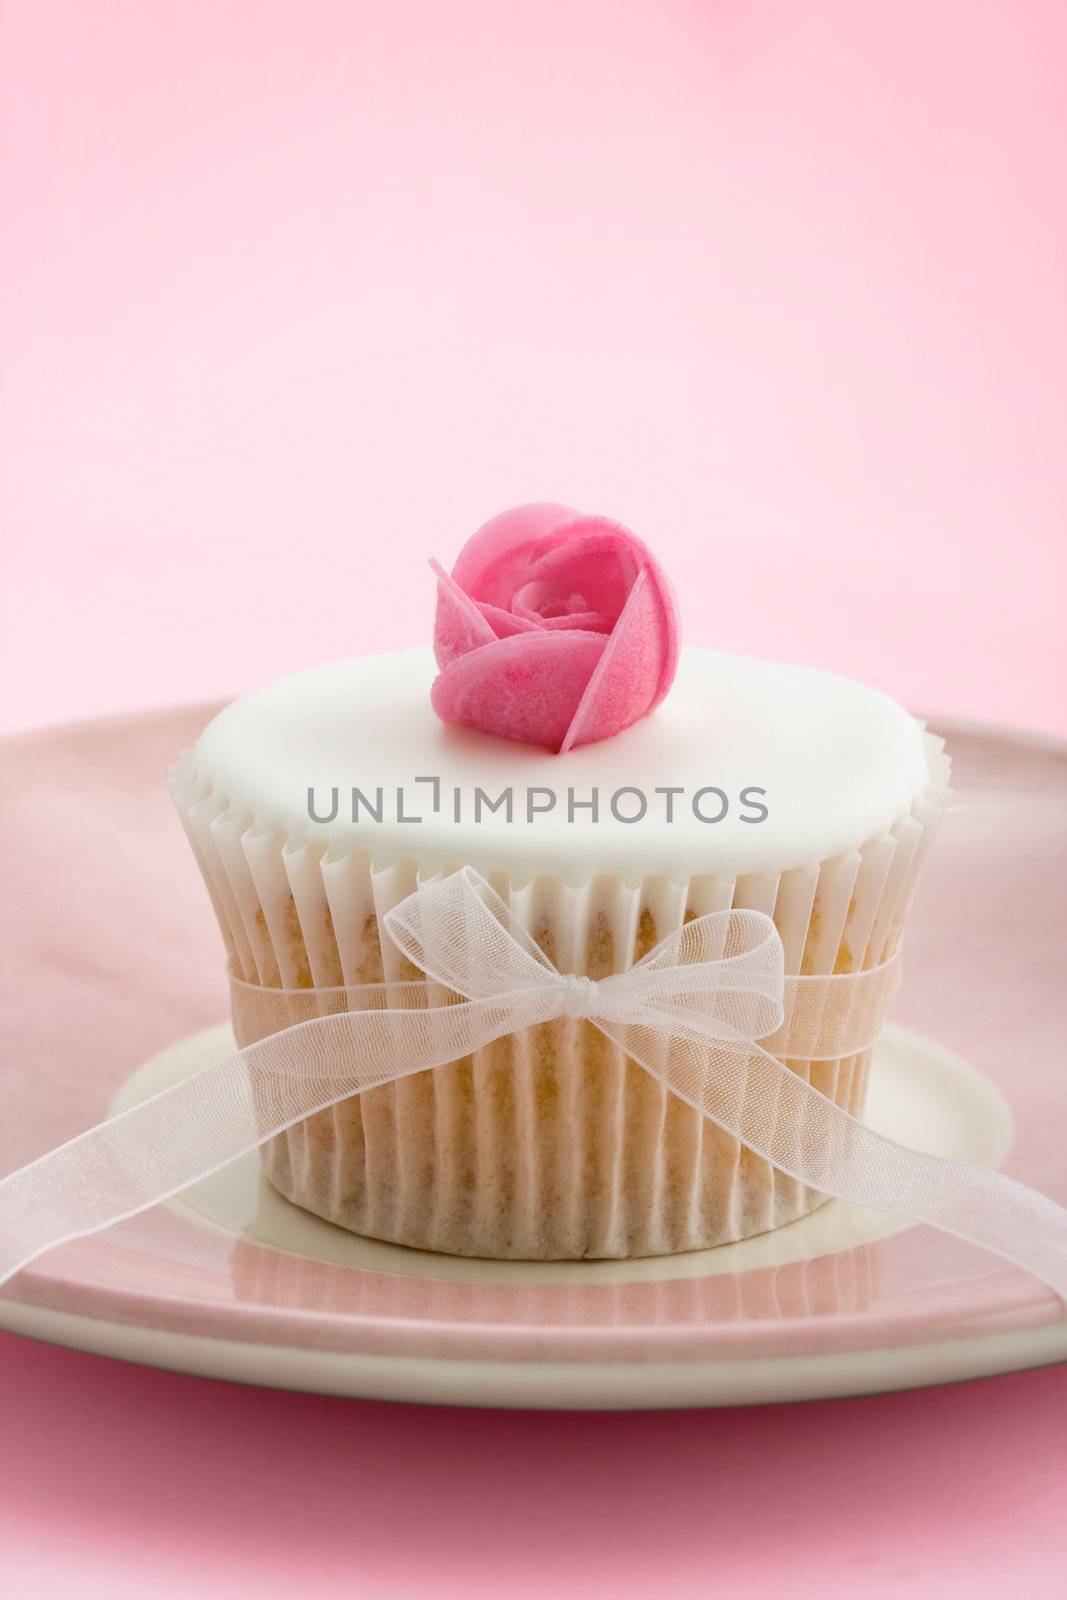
549 1144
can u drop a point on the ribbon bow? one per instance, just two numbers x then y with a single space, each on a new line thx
708 1012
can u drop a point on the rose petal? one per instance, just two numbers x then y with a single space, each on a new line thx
626 679
458 625
526 688
505 623
582 621
640 556
526 606
494 561
596 561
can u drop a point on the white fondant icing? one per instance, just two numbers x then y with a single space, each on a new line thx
839 764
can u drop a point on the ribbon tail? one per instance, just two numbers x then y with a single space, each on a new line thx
185 1133
775 1112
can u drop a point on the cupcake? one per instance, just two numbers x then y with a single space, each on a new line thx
610 787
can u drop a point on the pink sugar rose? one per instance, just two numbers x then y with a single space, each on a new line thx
554 629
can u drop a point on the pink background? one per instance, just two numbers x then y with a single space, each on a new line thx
297 295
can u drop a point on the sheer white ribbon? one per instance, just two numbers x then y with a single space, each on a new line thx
708 1012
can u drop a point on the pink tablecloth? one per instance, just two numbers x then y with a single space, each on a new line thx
119 1481
295 296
